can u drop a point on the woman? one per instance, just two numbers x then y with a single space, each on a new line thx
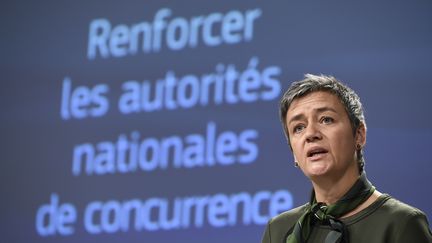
324 123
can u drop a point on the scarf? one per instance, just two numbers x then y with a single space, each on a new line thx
329 214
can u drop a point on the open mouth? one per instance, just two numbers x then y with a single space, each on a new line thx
315 152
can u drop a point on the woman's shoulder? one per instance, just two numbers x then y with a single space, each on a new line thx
408 223
289 217
279 225
396 209
386 209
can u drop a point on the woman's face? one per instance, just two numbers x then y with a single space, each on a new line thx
321 135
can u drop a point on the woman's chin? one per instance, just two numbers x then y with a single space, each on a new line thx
316 170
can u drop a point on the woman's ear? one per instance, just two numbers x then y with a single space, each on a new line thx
361 135
296 163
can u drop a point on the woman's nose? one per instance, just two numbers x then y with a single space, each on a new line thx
313 133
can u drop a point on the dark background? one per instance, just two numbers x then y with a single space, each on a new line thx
382 49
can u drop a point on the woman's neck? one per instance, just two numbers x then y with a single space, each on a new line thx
330 189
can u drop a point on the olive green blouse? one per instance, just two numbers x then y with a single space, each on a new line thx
385 220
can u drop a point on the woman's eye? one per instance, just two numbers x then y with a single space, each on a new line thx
298 128
327 120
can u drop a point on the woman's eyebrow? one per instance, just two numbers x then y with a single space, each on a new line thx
325 108
296 118
301 116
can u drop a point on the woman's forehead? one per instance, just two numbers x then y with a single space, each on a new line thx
315 101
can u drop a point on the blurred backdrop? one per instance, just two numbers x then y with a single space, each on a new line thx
157 121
